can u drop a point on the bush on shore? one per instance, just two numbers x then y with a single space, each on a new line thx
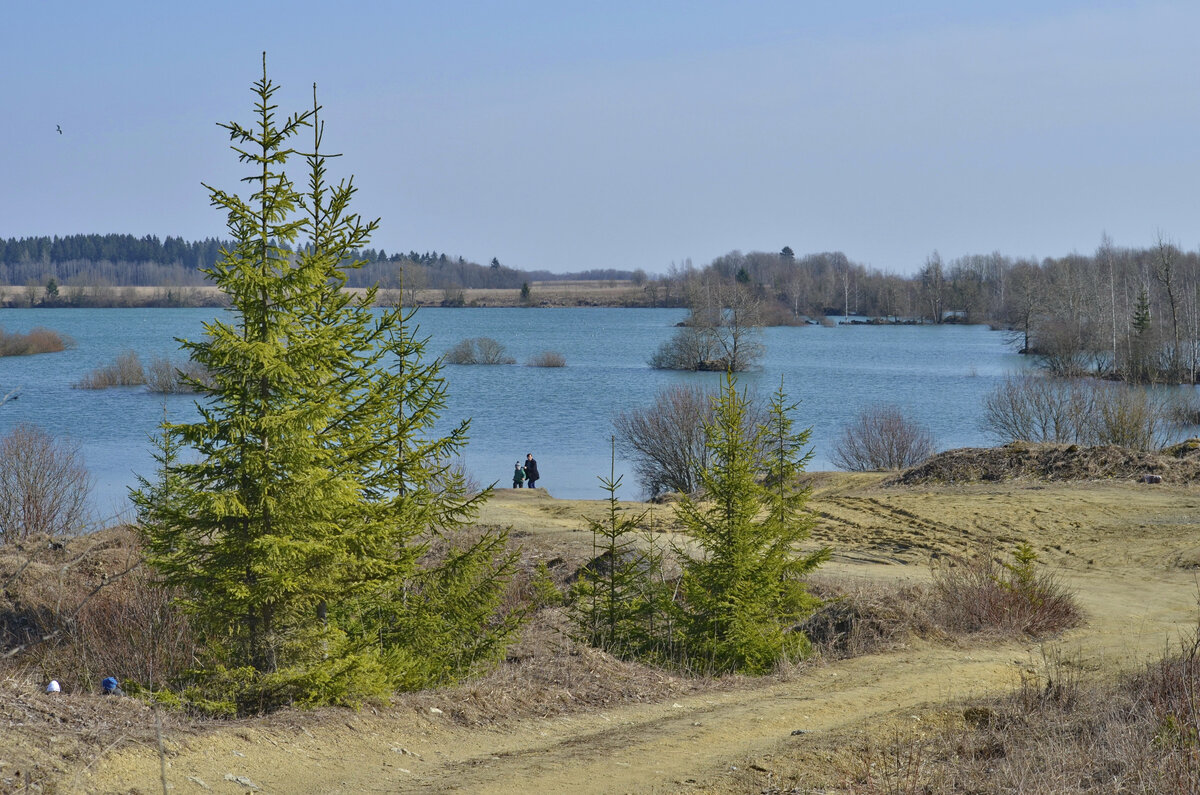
1036 408
44 486
882 438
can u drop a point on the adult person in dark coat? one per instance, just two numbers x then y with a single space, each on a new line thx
531 473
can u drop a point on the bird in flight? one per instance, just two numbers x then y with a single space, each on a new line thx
59 126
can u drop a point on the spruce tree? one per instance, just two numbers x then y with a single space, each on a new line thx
611 598
301 527
743 591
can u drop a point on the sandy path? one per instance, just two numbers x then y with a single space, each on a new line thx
1125 551
634 749
662 747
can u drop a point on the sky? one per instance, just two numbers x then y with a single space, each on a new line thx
568 136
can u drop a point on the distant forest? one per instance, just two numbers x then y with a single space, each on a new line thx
1127 313
126 260
1124 313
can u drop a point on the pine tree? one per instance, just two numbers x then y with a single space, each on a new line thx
301 527
743 591
1141 312
612 597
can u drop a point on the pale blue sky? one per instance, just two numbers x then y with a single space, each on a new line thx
566 136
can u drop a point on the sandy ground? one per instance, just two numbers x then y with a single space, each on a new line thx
1130 551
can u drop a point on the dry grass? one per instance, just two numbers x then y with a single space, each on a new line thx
37 340
1052 462
1059 732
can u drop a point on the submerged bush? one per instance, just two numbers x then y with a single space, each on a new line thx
478 350
38 340
125 371
547 359
164 376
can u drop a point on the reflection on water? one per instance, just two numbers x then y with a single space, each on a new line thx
938 375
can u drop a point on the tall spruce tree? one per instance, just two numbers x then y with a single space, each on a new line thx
744 590
312 528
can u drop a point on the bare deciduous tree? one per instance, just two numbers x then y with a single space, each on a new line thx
43 485
666 439
721 333
1036 408
882 438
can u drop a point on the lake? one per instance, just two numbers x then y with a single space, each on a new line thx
938 374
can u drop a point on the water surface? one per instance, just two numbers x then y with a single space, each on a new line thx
939 375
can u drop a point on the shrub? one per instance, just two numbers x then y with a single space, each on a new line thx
38 340
882 438
1128 416
164 376
1010 597
478 350
547 359
43 485
1032 408
666 439
125 371
1035 408
133 627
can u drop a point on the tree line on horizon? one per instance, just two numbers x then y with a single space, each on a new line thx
1126 313
119 260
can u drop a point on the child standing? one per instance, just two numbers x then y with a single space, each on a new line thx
518 476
